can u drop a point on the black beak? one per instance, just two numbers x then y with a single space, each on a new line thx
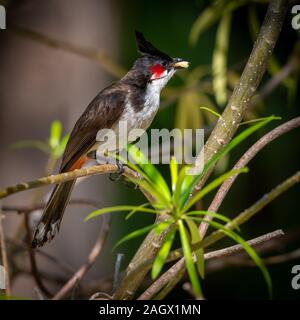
179 63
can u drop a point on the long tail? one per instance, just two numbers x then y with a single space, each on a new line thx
51 218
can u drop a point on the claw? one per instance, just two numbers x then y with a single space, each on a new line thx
117 175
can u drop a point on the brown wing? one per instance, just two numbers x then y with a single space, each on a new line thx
101 113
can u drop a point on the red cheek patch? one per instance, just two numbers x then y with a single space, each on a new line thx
157 70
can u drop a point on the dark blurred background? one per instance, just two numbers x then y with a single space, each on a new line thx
42 81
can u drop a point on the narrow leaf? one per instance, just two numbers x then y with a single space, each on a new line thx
215 215
154 175
55 134
211 111
35 144
59 150
174 172
219 60
231 145
177 194
195 236
189 260
251 252
162 254
118 209
214 184
134 234
133 211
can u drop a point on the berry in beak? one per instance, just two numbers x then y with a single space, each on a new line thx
179 63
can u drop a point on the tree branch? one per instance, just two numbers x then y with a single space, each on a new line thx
241 97
245 159
217 235
27 209
222 133
66 176
93 54
168 276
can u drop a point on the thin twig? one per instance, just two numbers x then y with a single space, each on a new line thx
245 262
27 209
245 159
4 257
93 54
96 250
223 190
58 178
217 235
168 286
256 207
168 276
32 258
291 66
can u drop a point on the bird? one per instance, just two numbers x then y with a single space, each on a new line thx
135 98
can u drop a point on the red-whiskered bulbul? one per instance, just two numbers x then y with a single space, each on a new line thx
134 99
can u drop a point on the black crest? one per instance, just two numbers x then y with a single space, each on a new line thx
146 48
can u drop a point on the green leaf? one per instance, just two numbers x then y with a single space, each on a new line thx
256 120
174 172
55 134
231 145
219 60
211 15
207 18
251 252
216 215
195 236
214 184
162 254
189 260
211 111
149 169
59 150
35 144
177 193
163 226
133 211
118 209
159 200
134 234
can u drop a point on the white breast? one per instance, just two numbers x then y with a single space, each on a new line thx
143 118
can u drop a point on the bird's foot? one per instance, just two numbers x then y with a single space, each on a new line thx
115 176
